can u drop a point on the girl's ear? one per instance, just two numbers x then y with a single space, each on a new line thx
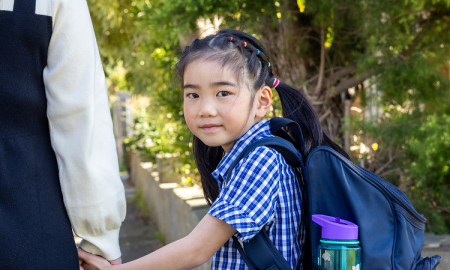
263 101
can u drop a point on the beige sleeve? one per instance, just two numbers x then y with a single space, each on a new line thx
81 129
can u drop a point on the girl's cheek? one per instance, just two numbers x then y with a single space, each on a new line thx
190 120
186 111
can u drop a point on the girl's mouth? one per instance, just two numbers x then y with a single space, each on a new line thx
210 127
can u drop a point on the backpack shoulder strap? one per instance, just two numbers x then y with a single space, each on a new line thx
284 147
276 125
260 252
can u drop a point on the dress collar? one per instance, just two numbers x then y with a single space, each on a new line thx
257 131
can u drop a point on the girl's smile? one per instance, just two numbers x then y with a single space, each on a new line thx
210 127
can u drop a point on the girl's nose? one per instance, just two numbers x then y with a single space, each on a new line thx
207 109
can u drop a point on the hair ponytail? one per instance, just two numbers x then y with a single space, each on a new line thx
296 107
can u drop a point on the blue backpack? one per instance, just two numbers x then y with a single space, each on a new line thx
391 231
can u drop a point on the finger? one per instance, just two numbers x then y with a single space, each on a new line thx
116 261
87 266
90 267
85 256
93 261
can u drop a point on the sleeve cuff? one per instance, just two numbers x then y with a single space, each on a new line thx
106 245
246 227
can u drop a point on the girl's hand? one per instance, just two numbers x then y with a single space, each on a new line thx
93 262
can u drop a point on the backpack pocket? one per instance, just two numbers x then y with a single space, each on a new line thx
391 230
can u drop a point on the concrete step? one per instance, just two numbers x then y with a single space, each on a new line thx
437 245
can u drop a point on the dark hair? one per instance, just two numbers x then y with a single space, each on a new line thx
240 51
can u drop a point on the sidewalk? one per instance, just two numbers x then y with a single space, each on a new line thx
138 234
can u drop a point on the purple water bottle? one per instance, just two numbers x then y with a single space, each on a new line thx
339 247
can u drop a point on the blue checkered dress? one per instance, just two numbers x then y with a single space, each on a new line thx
263 193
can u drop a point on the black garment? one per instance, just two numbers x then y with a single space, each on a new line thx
35 231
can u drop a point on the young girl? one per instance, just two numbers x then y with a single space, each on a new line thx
227 80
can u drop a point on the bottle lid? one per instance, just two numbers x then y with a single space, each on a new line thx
336 228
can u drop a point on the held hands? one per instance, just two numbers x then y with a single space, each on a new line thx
94 262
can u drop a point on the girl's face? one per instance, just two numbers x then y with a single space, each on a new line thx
218 110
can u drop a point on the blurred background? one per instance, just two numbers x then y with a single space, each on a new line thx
377 73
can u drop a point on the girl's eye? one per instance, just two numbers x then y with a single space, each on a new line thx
223 93
192 95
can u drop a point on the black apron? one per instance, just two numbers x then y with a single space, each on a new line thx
35 231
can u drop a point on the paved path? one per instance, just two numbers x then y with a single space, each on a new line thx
137 235
437 245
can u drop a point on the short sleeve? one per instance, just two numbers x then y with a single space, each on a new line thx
249 200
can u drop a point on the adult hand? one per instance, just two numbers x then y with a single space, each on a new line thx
116 261
93 262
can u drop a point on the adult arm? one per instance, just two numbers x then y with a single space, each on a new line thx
81 129
189 252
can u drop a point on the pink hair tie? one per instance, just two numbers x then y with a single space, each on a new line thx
275 83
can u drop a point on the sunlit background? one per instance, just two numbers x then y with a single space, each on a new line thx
377 73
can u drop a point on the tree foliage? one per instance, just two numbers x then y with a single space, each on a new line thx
388 57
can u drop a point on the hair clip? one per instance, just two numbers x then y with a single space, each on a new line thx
268 65
231 38
275 83
245 44
257 52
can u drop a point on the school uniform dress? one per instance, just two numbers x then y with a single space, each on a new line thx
263 193
58 164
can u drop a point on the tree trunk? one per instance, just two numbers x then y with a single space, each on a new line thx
324 88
